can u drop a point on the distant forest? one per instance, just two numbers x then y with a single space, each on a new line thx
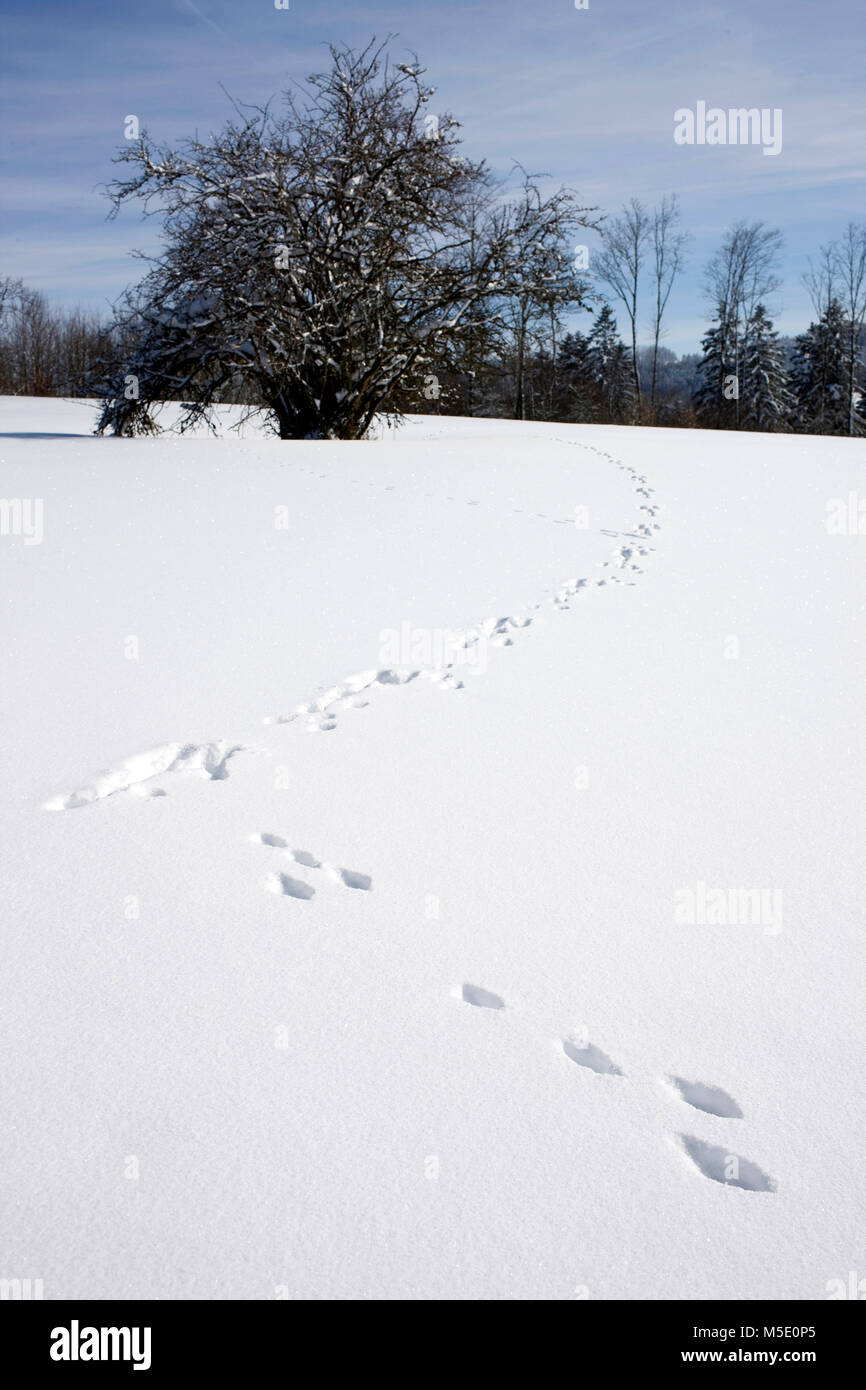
45 351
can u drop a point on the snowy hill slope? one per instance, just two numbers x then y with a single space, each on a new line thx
433 865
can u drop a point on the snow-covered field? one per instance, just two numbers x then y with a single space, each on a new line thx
433 865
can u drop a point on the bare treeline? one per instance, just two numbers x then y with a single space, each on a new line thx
46 351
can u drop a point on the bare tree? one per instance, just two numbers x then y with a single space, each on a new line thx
324 256
11 291
619 266
33 345
542 280
820 280
740 275
30 342
849 263
668 254
45 351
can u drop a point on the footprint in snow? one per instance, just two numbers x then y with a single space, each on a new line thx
589 1056
273 841
729 1169
303 856
481 998
711 1099
350 878
209 760
284 883
290 887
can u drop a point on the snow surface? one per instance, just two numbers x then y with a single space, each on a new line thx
341 964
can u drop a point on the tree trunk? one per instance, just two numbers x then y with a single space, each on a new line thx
637 395
520 402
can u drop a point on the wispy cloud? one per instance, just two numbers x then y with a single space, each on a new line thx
205 19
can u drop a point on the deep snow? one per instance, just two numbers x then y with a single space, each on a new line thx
345 961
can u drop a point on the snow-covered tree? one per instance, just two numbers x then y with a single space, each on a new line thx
610 363
595 374
765 401
849 264
578 398
321 255
820 376
740 274
543 280
718 380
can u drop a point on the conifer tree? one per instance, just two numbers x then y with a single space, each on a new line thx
577 397
611 366
766 403
820 375
718 388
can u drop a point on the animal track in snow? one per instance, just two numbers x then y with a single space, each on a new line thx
396 677
351 878
290 887
321 714
589 1056
481 998
727 1168
569 590
209 760
303 856
624 559
497 630
274 841
284 883
711 1099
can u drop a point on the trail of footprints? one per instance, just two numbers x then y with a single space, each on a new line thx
321 714
287 885
449 497
714 1161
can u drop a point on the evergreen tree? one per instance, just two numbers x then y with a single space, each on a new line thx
820 376
578 397
718 383
611 367
766 403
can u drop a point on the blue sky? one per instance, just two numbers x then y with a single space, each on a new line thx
586 96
